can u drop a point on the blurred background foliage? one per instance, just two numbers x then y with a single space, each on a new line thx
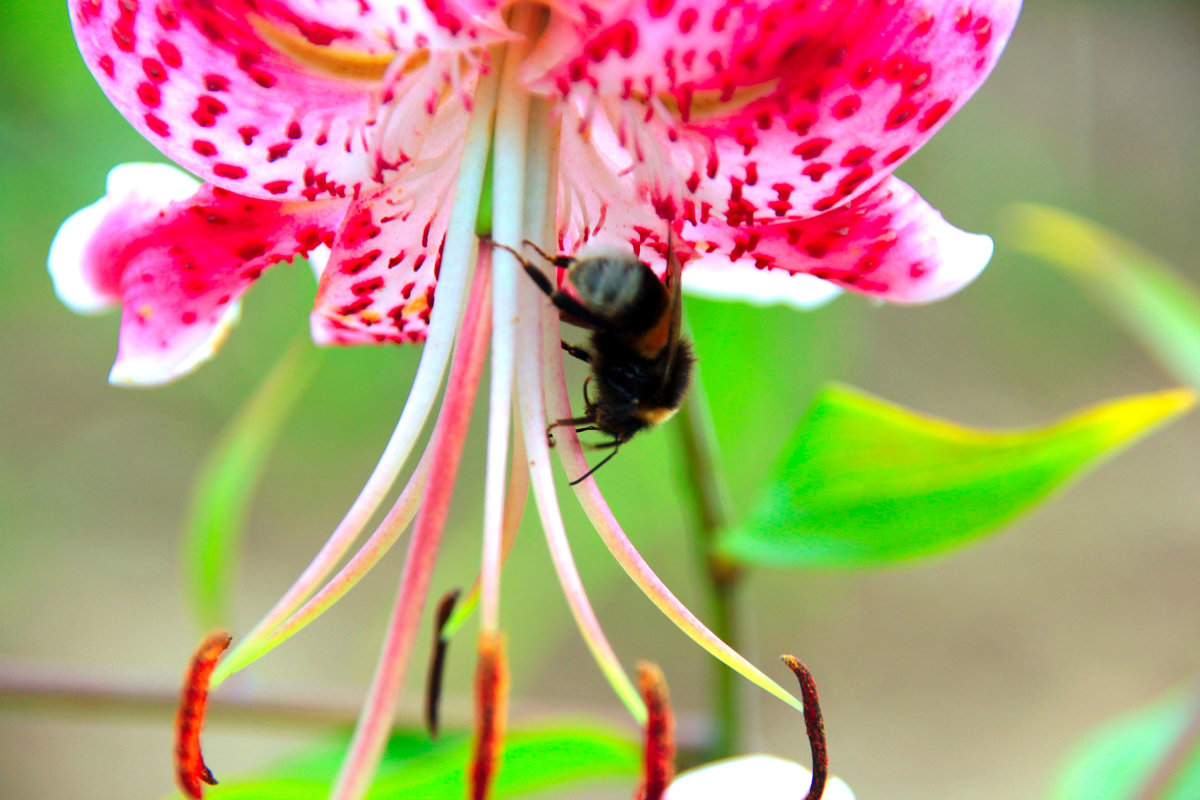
971 675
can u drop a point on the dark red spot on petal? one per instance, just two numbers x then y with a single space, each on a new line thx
231 171
154 69
277 187
278 151
157 125
687 20
369 286
204 148
216 83
812 148
660 8
170 54
934 115
251 250
857 155
901 113
847 107
149 95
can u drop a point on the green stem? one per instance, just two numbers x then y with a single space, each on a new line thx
704 485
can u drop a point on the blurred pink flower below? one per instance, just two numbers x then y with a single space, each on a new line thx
762 134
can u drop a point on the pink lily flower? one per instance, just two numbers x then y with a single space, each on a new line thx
764 134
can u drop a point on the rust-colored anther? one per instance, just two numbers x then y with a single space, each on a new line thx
491 701
437 662
814 725
190 768
658 762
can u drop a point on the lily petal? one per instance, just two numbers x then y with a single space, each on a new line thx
889 244
87 279
794 107
760 777
268 99
177 265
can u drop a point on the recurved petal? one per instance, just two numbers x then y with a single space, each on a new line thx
760 777
176 265
799 105
269 99
889 244
82 261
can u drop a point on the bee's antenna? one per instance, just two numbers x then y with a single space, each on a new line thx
515 253
552 259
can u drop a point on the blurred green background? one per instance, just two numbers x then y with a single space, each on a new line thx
969 676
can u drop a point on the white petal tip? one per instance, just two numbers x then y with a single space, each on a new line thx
77 262
760 777
713 279
135 371
68 262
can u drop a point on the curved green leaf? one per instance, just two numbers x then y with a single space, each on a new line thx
1159 744
864 482
416 767
1154 303
221 494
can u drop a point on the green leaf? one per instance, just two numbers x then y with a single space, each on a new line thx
415 767
1158 743
220 497
863 482
1146 295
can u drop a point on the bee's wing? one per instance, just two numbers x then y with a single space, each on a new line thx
675 286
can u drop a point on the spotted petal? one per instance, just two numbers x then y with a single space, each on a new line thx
270 99
792 107
177 264
889 244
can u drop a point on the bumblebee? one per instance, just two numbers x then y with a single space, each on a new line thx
641 366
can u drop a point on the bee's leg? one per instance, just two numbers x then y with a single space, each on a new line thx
615 444
572 421
541 280
587 401
581 354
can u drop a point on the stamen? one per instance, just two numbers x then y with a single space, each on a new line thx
514 508
601 516
190 768
437 661
512 124
491 701
435 354
658 755
370 735
814 726
375 721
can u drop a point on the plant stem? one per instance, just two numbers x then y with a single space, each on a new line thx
704 485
